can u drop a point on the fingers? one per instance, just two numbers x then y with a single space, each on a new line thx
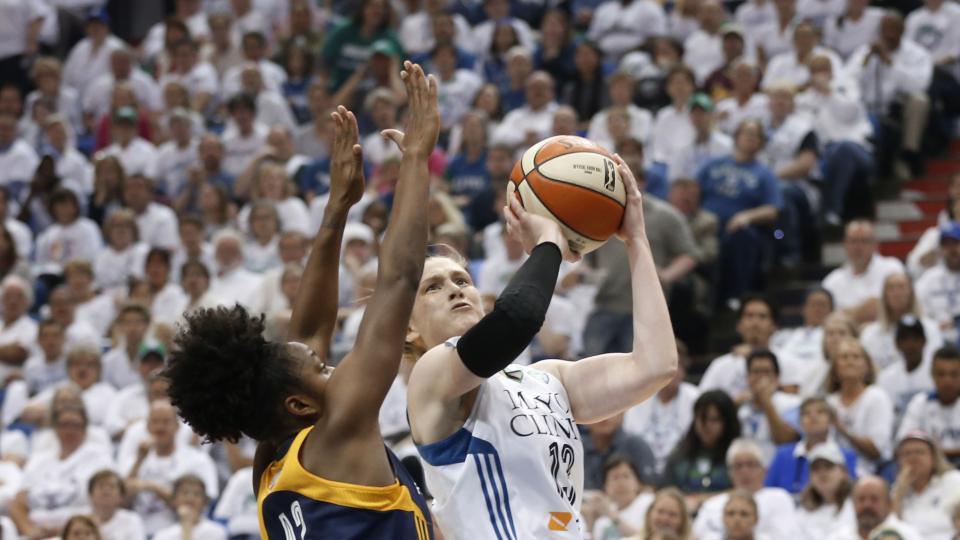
516 207
394 135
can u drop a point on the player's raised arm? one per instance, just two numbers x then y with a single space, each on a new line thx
360 383
603 385
315 308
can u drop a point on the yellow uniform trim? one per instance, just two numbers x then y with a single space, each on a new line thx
288 474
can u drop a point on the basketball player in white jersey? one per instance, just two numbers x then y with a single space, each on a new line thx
502 453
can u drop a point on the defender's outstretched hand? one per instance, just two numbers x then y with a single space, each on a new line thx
633 227
346 163
532 230
423 113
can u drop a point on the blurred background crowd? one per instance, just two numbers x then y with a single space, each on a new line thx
160 157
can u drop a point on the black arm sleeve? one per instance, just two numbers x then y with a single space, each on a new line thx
517 315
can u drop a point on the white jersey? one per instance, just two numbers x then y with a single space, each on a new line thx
515 469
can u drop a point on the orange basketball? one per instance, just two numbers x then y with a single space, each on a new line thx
574 182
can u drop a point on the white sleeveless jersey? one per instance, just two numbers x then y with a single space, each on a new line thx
514 471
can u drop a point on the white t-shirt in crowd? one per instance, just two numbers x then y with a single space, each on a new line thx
168 304
129 405
619 28
754 14
60 244
113 268
120 370
880 342
729 373
293 212
662 425
641 126
239 150
926 413
238 505
633 515
817 11
682 134
165 470
730 113
76 170
849 290
786 68
11 478
703 52
158 226
205 530
455 96
137 433
173 161
805 343
138 157
938 291
776 509
901 385
871 415
817 524
845 36
41 374
124 525
22 332
238 285
929 511
96 399
57 488
518 122
936 31
22 237
84 64
755 425
910 72
99 312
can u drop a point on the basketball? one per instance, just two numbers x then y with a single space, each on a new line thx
574 182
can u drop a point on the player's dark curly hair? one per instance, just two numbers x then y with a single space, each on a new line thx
226 379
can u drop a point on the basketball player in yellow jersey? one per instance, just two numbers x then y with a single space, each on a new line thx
321 469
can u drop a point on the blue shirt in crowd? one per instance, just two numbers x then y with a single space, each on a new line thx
789 469
728 187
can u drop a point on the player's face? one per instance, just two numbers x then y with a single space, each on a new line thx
311 370
447 303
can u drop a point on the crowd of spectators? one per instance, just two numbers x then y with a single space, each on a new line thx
188 167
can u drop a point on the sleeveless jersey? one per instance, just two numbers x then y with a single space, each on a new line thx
295 504
515 469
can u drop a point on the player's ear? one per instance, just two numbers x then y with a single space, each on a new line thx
301 406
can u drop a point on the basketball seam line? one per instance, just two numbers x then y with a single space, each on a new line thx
536 169
555 216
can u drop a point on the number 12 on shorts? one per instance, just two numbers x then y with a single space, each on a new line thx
562 458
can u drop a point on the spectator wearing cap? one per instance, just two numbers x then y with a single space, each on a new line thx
18 160
107 493
621 26
939 286
663 419
898 300
703 50
178 154
824 503
747 466
791 67
457 87
747 199
91 56
158 463
137 155
858 284
894 74
769 417
709 142
132 402
47 366
773 37
937 413
348 47
790 468
719 83
744 102
232 283
533 121
855 27
924 487
674 118
55 482
244 136
621 86
910 374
